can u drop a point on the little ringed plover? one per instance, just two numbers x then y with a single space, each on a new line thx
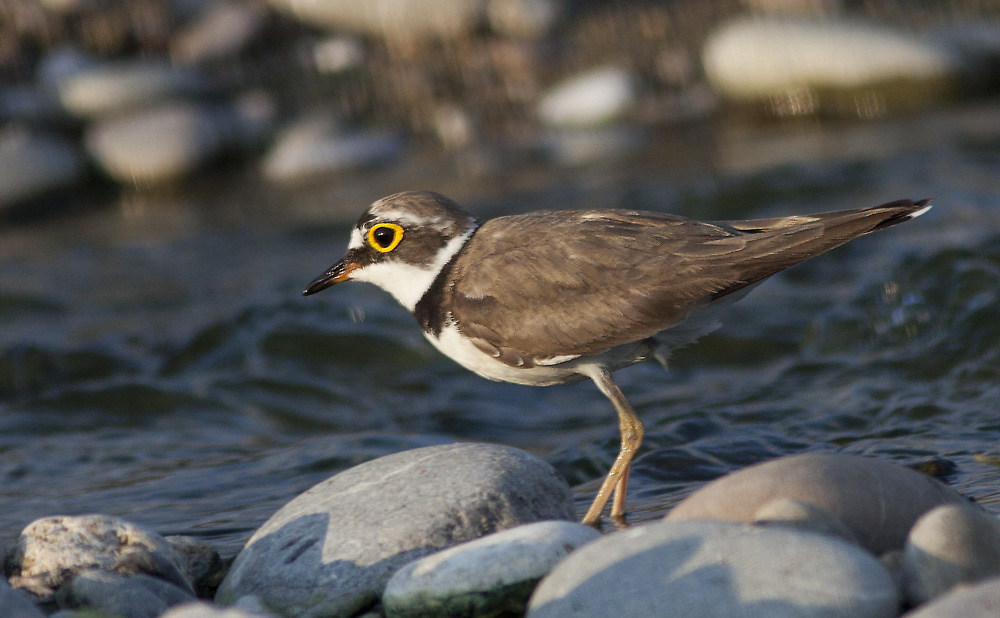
554 297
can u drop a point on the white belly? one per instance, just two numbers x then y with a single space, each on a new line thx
456 347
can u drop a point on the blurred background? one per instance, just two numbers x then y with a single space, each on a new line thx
174 172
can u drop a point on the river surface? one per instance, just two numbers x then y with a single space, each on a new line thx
158 362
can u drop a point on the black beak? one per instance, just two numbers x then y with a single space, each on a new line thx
341 271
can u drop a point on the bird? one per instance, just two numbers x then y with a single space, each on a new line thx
551 297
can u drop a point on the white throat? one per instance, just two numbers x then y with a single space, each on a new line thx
406 282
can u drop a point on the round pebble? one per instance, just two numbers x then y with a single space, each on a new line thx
16 604
112 88
390 18
111 594
878 501
716 570
330 551
948 546
760 57
980 601
484 577
592 98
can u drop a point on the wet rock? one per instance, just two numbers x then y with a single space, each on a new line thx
524 19
878 501
112 88
980 601
802 516
713 569
330 551
110 594
761 57
32 165
393 19
317 145
167 142
484 577
222 30
244 608
202 563
591 98
53 550
16 604
948 546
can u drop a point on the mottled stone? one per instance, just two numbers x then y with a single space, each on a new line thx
202 563
53 550
877 500
330 551
948 546
713 570
111 594
484 577
979 601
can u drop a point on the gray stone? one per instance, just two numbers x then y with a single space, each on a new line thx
760 57
53 550
980 601
878 501
716 570
111 594
330 551
802 516
948 546
207 610
32 165
485 577
16 604
317 145
393 19
112 88
591 98
164 143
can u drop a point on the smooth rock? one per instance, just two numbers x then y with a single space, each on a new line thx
206 610
330 551
164 143
222 30
950 545
485 577
32 165
591 98
16 604
802 516
716 570
113 88
111 594
317 145
759 57
53 550
394 19
877 500
980 601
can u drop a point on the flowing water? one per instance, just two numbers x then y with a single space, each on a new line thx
158 362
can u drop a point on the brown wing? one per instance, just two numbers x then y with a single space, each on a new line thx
530 287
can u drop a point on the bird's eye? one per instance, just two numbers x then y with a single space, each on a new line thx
385 236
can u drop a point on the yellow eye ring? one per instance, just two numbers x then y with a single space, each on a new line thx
384 237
